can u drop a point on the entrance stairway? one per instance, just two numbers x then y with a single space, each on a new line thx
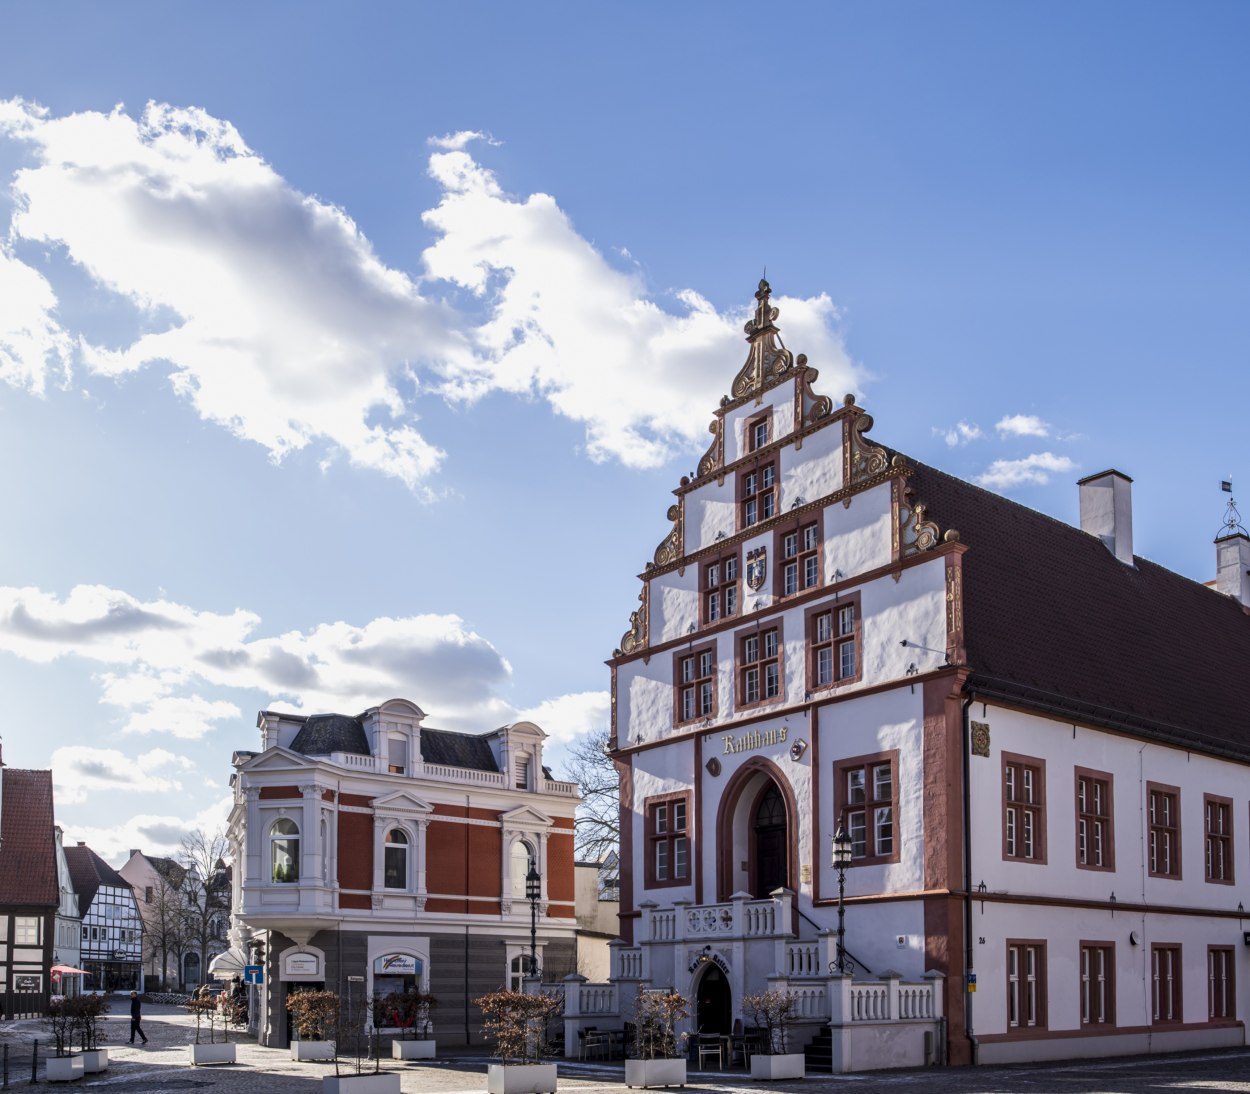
819 1052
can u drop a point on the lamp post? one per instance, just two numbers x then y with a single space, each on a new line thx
841 860
533 886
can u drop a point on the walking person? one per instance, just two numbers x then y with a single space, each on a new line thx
135 1019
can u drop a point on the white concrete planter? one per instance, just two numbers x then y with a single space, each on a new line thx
381 1082
64 1069
312 1050
219 1053
655 1072
412 1050
520 1079
95 1059
790 1066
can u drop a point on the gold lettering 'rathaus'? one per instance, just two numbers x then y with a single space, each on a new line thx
755 739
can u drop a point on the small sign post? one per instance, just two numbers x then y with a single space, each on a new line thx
253 974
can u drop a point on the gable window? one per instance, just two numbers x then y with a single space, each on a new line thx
1165 978
759 666
1221 996
395 860
668 840
798 549
1097 984
865 800
522 772
695 673
1024 808
1164 821
720 588
1095 848
284 850
1026 985
1219 832
757 494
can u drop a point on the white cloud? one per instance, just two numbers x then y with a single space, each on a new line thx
277 320
1034 470
456 142
960 434
80 771
153 833
568 716
1022 425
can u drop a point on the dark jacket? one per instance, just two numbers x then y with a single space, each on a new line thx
134 1009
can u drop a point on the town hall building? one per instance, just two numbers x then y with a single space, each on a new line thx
1032 743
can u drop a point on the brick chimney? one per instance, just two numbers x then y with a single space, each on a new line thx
1107 512
1232 566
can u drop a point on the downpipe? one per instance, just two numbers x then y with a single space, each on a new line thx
969 953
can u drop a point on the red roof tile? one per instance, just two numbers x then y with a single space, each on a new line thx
27 845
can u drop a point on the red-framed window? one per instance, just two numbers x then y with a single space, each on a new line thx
866 801
834 643
1097 970
1024 808
1165 984
1218 822
757 494
1095 832
797 549
720 588
1163 821
668 840
760 664
694 676
758 431
1221 984
1026 984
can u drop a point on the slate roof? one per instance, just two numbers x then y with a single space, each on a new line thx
441 746
27 844
1054 620
322 734
87 872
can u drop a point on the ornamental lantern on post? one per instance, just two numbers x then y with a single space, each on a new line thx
841 860
533 888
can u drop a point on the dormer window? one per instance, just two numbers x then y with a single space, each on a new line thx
523 772
397 756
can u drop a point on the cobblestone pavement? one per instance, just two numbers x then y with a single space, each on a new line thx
162 1066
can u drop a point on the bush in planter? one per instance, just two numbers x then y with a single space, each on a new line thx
517 1023
657 1014
91 1009
63 1021
315 1012
204 1008
773 1012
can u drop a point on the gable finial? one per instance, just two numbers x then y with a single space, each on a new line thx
768 356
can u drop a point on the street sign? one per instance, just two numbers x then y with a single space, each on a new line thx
972 981
253 974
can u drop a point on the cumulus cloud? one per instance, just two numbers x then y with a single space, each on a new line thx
1022 425
568 716
276 319
960 434
1034 470
159 662
80 771
153 833
455 142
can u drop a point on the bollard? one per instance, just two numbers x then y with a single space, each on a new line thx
34 1062
5 1080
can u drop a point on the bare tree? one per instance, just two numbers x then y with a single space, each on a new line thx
164 921
597 829
206 893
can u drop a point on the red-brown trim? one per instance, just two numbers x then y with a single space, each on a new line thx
1230 859
625 775
1106 777
943 817
724 822
956 653
757 463
694 652
1232 983
813 733
795 522
650 837
748 424
1098 944
1178 983
809 644
1175 791
842 806
1102 1031
1043 986
279 793
694 824
1043 844
733 618
759 629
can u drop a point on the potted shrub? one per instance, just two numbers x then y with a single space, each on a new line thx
516 1023
659 1050
774 1012
91 1009
62 1022
409 1012
357 1067
207 1049
315 1014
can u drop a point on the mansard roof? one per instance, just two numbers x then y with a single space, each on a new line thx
27 843
88 872
1053 619
322 734
442 746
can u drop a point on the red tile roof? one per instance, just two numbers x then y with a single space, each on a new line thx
27 845
1052 619
87 872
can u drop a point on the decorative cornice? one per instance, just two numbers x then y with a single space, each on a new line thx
768 359
635 638
671 547
861 459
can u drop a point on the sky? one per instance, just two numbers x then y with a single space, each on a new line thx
352 351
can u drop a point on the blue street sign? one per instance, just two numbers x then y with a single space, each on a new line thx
253 974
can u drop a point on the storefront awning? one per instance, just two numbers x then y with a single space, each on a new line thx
67 970
227 965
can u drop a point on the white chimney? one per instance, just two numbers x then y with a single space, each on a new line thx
1107 512
1232 566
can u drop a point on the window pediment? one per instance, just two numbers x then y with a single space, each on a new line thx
525 817
402 803
277 759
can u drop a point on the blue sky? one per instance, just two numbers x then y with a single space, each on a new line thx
362 361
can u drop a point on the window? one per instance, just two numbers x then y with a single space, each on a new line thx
396 755
720 588
759 665
522 772
833 643
1095 848
1221 997
84 934
284 850
1097 984
668 838
1165 974
1026 985
695 673
757 494
26 930
759 431
1219 828
523 861
798 549
865 801
395 860
1024 808
147 894
1164 820
518 970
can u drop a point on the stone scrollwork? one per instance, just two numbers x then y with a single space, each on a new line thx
865 459
917 533
808 406
635 638
670 548
768 358
714 458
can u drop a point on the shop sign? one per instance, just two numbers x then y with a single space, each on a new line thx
754 738
301 964
397 964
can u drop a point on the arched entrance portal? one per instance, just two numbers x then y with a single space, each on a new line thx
712 1002
757 833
